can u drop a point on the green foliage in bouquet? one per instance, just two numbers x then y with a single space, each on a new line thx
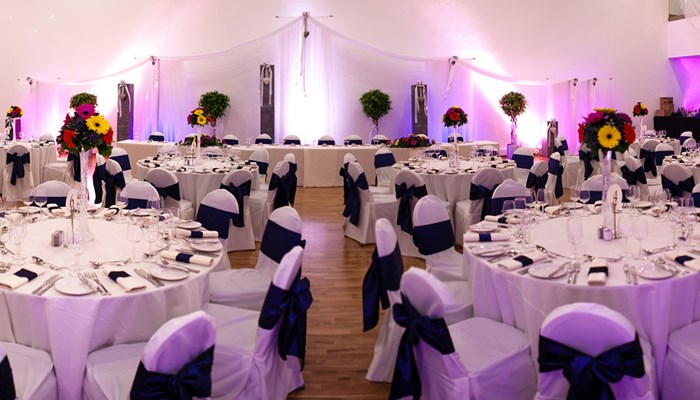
82 98
413 141
204 141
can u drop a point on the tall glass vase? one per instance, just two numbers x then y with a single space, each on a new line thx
85 233
513 132
607 211
454 155
640 125
198 145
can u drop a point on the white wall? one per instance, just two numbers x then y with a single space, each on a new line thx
557 39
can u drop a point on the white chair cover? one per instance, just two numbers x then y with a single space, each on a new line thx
138 193
216 212
488 150
326 140
524 160
491 360
685 136
648 149
555 173
369 208
679 175
384 166
169 148
262 202
468 212
451 137
434 237
682 364
14 192
114 169
244 239
263 138
56 192
380 139
122 157
663 150
353 139
595 185
537 178
405 239
32 371
291 139
47 137
213 151
247 362
688 143
507 190
162 179
246 287
230 140
110 371
628 173
157 137
592 329
58 171
262 158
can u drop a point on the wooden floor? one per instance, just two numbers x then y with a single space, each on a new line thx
338 353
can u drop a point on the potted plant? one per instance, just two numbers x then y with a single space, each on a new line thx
513 104
216 104
82 98
375 105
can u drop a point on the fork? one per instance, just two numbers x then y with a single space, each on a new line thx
626 269
93 276
5 266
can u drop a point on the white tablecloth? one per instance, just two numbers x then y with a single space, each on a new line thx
139 149
70 327
655 307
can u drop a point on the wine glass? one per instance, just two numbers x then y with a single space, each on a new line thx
18 232
134 233
153 205
689 220
584 195
573 194
574 233
508 207
121 201
519 204
661 200
40 198
151 234
74 241
640 229
624 227
28 198
632 194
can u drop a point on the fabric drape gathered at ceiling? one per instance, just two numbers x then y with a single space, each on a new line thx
318 82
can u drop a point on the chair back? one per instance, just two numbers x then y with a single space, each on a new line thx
662 151
678 179
239 183
696 194
278 189
122 157
555 172
291 139
561 145
282 232
56 192
432 229
507 190
590 329
380 139
451 138
167 185
524 158
217 211
587 164
17 174
156 137
113 180
633 173
231 140
481 192
47 137
169 148
689 142
409 188
384 166
262 159
685 136
537 178
647 153
595 186
7 383
353 139
326 140
138 193
263 138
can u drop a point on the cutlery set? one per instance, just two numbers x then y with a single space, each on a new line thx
47 285
91 280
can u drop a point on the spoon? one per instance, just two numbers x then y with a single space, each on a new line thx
674 269
509 253
613 259
39 261
165 264
116 262
658 249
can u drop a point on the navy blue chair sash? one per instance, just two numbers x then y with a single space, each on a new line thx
554 167
536 182
353 141
278 241
239 192
384 160
326 142
291 306
231 142
76 166
123 161
214 219
172 191
136 203
112 182
405 194
17 165
344 173
564 145
596 195
660 155
434 238
682 139
434 332
57 200
523 160
192 380
280 185
7 383
380 141
290 183
156 138
352 201
632 178
436 153
451 139
292 141
383 275
477 192
263 141
588 376
586 158
649 157
497 204
97 178
262 167
677 189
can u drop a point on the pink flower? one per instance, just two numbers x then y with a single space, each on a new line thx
67 119
594 117
85 111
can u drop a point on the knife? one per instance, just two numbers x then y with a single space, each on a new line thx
143 274
46 285
178 267
558 270
633 271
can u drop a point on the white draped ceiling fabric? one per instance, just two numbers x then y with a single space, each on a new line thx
691 9
319 79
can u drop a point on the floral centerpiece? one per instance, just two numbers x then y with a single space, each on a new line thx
86 129
454 117
639 110
204 141
412 141
199 117
607 130
14 112
12 123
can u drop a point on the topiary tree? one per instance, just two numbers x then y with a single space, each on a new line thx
375 105
83 98
215 103
513 104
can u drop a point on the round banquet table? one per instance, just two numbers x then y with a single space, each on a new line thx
692 163
69 327
655 307
40 154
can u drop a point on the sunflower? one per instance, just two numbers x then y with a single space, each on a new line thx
198 111
609 136
201 120
98 124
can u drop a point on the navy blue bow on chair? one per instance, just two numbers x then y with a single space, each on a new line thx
112 182
384 160
76 166
634 177
535 182
649 157
451 139
17 165
278 241
383 275
586 157
97 178
523 160
239 192
588 376
405 194
214 219
281 185
352 201
344 174
434 238
172 191
436 153
7 383
292 141
123 161
677 189
477 192
432 331
263 141
192 380
554 167
156 138
290 305
262 167
231 142
291 183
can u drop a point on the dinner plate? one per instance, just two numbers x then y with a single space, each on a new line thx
488 250
450 172
140 212
30 209
643 204
206 246
72 286
482 227
653 272
544 270
168 274
191 225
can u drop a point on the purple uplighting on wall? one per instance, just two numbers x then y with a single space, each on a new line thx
687 70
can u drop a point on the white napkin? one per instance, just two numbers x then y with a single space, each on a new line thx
552 210
128 283
514 263
694 263
500 218
195 234
598 278
13 281
111 211
55 210
193 259
495 237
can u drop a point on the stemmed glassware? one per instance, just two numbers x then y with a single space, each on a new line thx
573 194
121 201
74 241
584 195
154 206
40 198
632 194
28 198
18 232
640 229
134 233
574 233
151 234
624 227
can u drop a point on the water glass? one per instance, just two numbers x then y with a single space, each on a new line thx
28 198
74 241
18 232
584 195
134 233
508 207
121 201
640 229
154 206
624 229
520 205
152 235
574 233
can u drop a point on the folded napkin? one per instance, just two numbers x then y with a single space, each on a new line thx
187 258
55 210
501 219
552 210
598 273
20 277
485 237
123 279
221 170
111 211
196 234
522 260
685 259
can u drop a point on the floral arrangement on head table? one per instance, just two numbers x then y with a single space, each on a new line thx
86 129
639 110
14 112
413 141
199 117
454 116
606 129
